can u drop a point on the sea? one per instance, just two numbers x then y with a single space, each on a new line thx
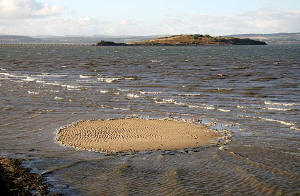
251 91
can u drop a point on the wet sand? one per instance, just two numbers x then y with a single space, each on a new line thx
123 135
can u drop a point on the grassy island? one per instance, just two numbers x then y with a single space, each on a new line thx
188 40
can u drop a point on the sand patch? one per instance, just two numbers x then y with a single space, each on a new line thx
123 135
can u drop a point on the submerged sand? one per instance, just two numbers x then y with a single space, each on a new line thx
123 135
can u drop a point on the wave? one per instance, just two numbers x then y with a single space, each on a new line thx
33 93
155 61
190 94
108 79
123 90
278 109
144 92
103 91
289 124
123 109
84 76
168 101
295 128
277 121
8 75
279 104
194 106
29 79
58 98
132 95
209 107
173 101
130 78
70 87
39 80
241 107
48 75
223 110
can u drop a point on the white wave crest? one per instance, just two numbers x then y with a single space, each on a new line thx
155 61
278 121
58 98
84 76
190 94
70 87
8 75
108 80
278 109
33 93
281 104
209 107
193 106
144 92
29 79
168 101
103 91
223 110
289 124
132 95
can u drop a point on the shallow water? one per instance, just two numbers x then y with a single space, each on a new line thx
252 91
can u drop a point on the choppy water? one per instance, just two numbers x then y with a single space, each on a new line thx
251 90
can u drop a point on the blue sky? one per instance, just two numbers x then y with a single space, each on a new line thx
148 17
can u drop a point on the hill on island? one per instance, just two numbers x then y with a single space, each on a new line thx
197 39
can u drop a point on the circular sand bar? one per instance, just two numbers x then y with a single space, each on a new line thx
135 135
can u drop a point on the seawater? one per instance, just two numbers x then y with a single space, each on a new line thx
252 91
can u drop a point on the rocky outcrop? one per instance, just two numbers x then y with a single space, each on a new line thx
108 43
16 180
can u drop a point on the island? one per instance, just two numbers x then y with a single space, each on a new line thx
187 40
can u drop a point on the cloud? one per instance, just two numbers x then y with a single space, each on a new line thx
30 17
23 9
259 21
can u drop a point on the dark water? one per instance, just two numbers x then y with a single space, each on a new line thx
252 91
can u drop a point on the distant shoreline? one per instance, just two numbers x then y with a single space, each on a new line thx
275 38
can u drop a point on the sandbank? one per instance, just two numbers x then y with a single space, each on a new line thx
123 135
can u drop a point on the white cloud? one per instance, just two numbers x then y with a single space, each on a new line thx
30 17
260 21
22 9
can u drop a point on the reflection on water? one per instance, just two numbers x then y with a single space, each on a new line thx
251 90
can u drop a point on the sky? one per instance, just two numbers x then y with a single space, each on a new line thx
148 17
